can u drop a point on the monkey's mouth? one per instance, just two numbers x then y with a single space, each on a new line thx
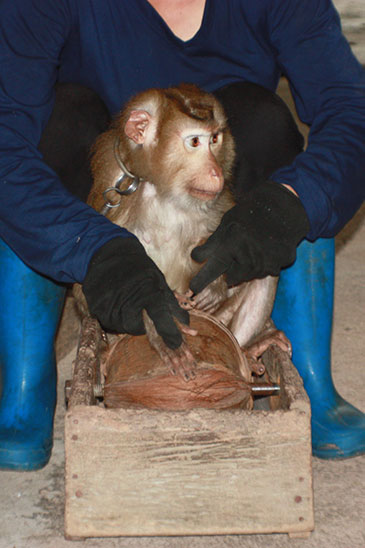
203 194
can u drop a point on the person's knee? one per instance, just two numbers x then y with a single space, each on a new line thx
265 133
79 116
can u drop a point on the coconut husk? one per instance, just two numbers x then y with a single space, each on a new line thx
137 377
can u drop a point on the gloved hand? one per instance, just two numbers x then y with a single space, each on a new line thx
256 238
121 281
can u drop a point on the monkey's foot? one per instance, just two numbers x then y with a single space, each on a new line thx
254 351
266 339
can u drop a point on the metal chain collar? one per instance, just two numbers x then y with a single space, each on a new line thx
126 174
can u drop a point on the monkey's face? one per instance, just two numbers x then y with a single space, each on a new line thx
190 162
177 139
202 148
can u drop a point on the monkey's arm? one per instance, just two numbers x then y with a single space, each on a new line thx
256 238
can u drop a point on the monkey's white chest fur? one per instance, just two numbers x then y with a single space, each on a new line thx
169 230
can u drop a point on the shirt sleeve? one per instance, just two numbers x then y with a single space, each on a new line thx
328 86
51 231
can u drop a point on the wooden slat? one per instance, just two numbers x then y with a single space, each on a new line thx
86 367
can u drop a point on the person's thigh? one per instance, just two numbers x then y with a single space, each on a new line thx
78 117
265 133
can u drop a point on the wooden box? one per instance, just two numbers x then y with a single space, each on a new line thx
202 472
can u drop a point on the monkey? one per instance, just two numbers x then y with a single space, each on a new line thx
175 144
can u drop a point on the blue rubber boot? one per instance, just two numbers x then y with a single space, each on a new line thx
30 307
303 310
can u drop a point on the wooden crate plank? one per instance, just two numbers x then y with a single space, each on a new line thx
151 473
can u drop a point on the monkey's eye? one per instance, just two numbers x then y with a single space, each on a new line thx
214 139
193 141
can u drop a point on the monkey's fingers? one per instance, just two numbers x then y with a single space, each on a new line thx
180 362
185 300
208 300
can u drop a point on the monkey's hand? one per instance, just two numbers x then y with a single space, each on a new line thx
179 361
121 282
256 238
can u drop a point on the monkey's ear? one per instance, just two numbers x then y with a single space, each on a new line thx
136 126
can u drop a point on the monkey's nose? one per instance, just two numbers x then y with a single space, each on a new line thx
217 173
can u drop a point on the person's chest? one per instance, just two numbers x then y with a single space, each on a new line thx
120 48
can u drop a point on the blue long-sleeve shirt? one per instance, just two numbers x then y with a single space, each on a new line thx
119 47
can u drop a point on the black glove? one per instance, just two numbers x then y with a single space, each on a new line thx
256 238
121 281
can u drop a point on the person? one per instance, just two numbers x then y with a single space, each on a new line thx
50 238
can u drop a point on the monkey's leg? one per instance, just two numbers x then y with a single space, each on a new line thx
247 314
248 309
